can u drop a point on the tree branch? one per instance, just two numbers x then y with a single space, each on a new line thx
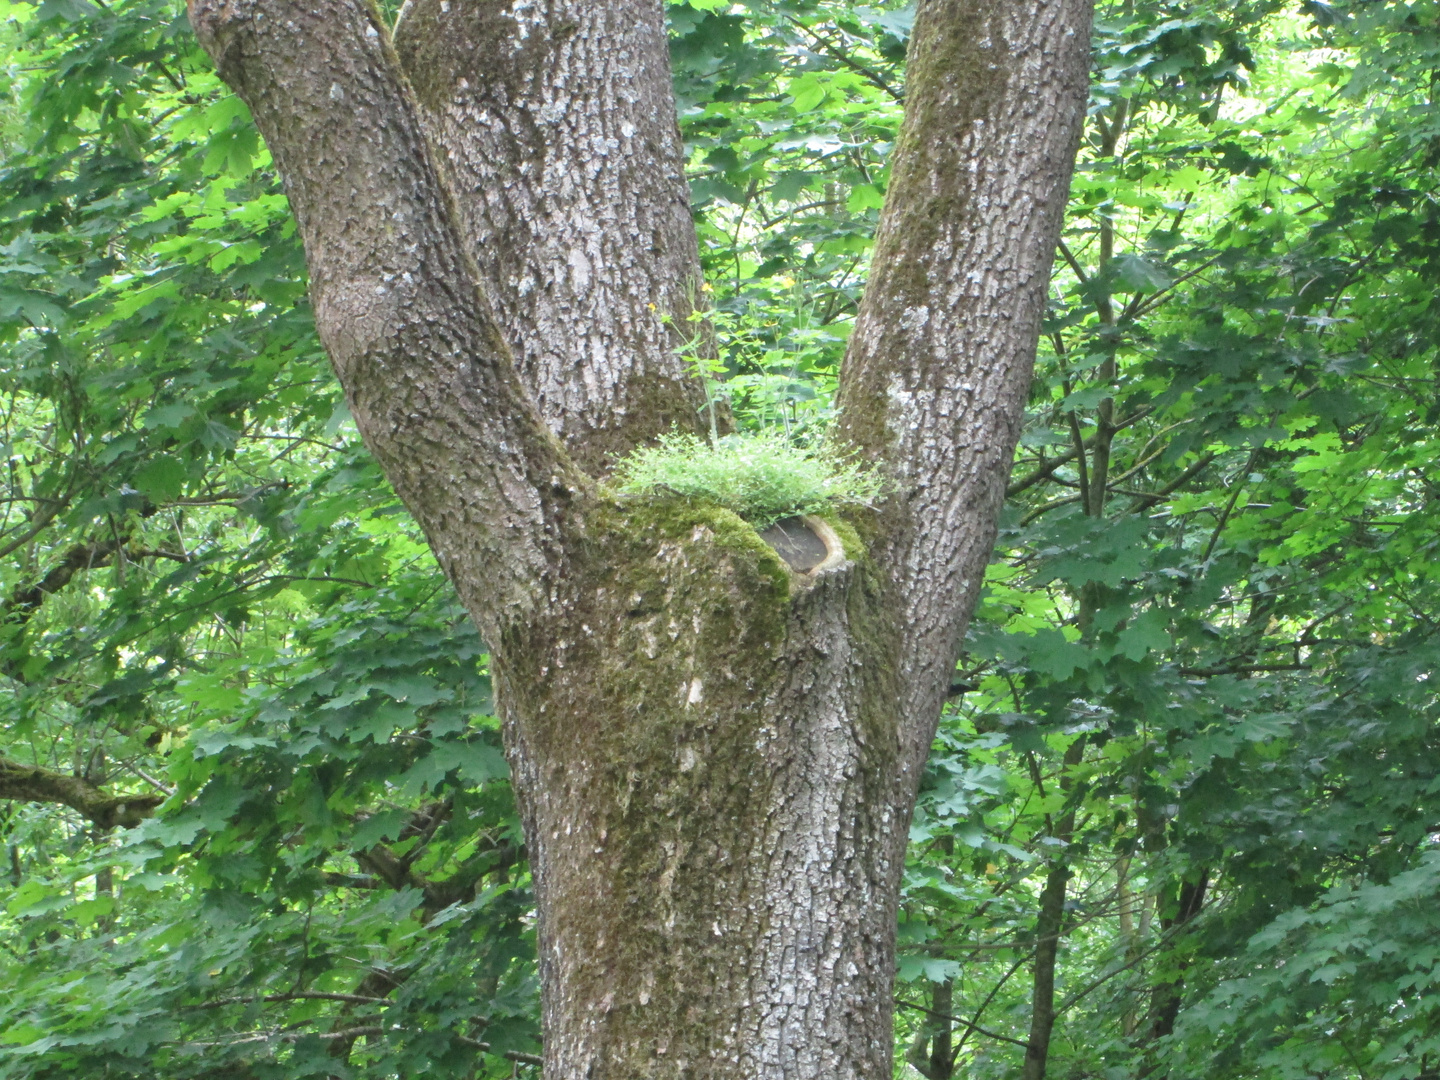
427 372
294 995
31 783
572 199
939 365
966 1024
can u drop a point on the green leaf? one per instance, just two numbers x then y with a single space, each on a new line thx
161 478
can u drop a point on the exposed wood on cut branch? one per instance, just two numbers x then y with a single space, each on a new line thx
427 372
31 783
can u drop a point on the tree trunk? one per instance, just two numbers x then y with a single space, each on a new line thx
1167 995
705 750
1049 926
932 1053
715 757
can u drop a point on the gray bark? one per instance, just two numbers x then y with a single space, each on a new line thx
939 366
715 757
557 121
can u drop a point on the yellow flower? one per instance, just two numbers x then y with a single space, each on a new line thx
788 282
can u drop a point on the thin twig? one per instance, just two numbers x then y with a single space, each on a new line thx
963 1023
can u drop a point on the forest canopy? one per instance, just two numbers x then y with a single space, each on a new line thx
256 816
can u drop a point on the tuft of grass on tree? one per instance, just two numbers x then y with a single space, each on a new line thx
760 476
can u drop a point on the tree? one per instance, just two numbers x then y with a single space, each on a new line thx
210 596
715 757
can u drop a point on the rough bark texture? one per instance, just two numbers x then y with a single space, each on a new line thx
427 372
715 758
939 366
30 783
557 121
704 745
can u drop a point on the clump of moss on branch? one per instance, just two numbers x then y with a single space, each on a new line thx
762 477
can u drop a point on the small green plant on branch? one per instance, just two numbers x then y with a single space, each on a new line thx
761 476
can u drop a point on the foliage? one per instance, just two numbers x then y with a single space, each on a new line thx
762 477
1200 688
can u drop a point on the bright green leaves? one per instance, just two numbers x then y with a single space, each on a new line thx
1242 628
789 111
210 590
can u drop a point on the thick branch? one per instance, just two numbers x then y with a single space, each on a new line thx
940 361
557 122
23 601
30 783
427 372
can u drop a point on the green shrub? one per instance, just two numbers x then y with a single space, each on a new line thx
761 477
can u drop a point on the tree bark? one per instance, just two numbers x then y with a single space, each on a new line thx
939 366
715 757
31 783
931 1052
557 123
1168 993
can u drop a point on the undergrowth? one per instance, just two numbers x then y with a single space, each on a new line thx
761 476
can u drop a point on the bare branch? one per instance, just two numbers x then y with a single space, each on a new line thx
295 995
966 1024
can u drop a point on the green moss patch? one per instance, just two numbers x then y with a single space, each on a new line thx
761 477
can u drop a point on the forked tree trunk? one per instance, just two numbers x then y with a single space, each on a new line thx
715 757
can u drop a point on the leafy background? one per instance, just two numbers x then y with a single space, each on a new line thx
1191 758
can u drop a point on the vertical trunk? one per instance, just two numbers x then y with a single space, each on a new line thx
940 1063
1049 925
715 758
942 1001
704 746
932 1053
935 1033
1132 938
1166 997
1042 1008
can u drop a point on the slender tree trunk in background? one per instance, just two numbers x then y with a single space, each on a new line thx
1132 937
1166 997
932 1053
943 1002
715 757
1048 928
